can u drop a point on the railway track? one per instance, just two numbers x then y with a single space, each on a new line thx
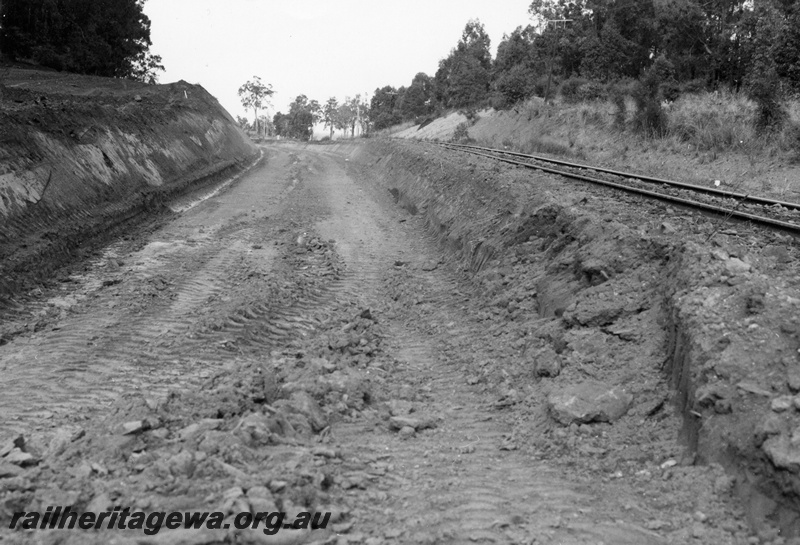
770 213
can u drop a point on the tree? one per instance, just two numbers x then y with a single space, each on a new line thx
242 122
418 98
145 67
109 38
383 109
343 114
302 116
463 77
281 123
255 94
330 113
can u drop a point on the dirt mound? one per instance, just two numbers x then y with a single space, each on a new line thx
81 157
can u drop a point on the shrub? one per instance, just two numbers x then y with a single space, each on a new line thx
540 87
592 90
670 90
570 88
471 114
765 91
649 117
617 95
500 102
461 133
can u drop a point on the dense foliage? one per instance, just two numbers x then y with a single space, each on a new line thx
586 46
299 122
97 37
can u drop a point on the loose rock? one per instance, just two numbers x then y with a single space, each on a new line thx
589 402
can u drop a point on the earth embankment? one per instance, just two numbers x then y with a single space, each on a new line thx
683 312
82 157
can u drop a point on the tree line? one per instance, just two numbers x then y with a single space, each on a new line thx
303 113
680 45
108 38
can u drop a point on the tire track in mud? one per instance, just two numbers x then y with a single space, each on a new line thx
465 481
90 359
452 484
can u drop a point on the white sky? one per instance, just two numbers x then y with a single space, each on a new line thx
314 47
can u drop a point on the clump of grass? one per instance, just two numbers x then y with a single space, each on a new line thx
542 145
617 97
712 121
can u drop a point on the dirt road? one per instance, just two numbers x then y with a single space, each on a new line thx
307 269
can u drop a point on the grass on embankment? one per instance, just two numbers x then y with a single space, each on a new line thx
710 136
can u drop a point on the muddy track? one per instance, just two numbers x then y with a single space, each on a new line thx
421 341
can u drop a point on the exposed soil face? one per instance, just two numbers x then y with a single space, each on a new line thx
434 348
83 159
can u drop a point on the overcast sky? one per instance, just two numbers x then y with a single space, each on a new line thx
320 48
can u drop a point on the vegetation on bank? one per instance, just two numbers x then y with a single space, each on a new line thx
642 58
109 38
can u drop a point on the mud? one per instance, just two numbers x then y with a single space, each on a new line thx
434 348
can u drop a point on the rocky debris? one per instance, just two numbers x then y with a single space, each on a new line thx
546 363
783 450
20 458
588 402
781 404
398 423
8 470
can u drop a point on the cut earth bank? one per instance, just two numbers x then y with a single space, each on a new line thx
83 158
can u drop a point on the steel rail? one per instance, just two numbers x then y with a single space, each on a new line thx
783 225
644 178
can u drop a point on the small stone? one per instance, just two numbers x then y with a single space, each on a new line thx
723 484
399 422
17 457
407 432
668 464
262 505
589 402
546 363
667 228
259 492
699 516
8 470
138 98
793 381
753 388
17 441
325 452
736 266
277 486
135 426
781 404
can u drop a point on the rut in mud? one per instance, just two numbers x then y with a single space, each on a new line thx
393 335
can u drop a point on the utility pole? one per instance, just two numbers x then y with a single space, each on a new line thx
553 52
